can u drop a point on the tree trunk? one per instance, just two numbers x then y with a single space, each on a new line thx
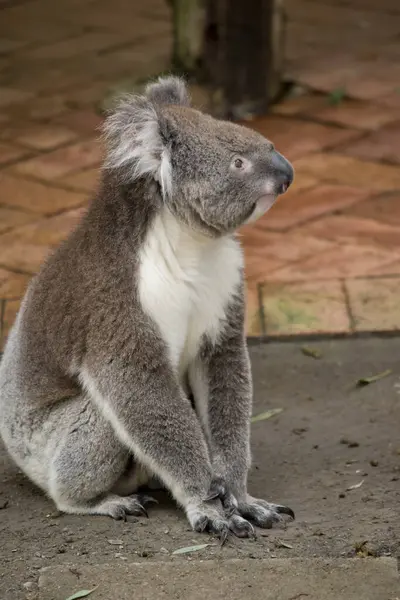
233 47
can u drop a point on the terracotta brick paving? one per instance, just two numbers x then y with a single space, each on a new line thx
326 258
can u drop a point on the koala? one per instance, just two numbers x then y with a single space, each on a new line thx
127 362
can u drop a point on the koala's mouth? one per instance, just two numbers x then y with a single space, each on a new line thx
260 207
265 202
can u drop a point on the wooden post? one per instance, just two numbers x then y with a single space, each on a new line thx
235 48
188 26
231 50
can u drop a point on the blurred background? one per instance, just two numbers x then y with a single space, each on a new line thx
320 78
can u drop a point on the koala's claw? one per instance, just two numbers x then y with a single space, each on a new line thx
217 526
218 489
143 511
264 514
119 507
284 510
241 528
144 499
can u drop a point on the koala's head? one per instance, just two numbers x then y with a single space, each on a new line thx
213 175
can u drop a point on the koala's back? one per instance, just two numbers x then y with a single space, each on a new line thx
34 367
78 288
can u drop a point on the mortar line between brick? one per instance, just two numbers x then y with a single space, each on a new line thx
348 305
321 279
261 312
2 314
16 271
52 183
38 152
133 43
301 116
296 227
254 340
56 183
382 161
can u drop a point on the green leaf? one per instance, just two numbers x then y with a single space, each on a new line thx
188 549
313 352
81 594
367 380
337 96
266 415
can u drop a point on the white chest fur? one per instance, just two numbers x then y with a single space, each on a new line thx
185 284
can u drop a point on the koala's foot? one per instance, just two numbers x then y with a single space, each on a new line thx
117 507
262 513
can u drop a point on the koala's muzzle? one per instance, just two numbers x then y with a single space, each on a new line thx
282 172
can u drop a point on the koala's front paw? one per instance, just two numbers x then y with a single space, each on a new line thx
213 520
220 493
209 518
263 514
240 527
219 489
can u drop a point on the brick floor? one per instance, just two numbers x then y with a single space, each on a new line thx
304 307
381 145
326 258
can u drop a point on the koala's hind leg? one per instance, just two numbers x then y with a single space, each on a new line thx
91 472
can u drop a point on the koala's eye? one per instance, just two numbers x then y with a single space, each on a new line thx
239 164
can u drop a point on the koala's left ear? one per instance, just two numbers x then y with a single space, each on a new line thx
168 90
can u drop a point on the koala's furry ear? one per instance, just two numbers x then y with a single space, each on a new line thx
133 135
168 90
134 142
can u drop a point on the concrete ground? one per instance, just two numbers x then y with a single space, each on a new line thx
332 454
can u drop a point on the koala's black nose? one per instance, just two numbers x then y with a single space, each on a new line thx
282 171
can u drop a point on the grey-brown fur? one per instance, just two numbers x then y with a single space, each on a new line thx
86 382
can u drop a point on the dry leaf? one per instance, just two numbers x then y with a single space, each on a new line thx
116 542
355 486
266 415
189 549
313 352
362 550
367 380
281 544
81 594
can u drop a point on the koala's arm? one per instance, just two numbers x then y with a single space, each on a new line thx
227 395
135 388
